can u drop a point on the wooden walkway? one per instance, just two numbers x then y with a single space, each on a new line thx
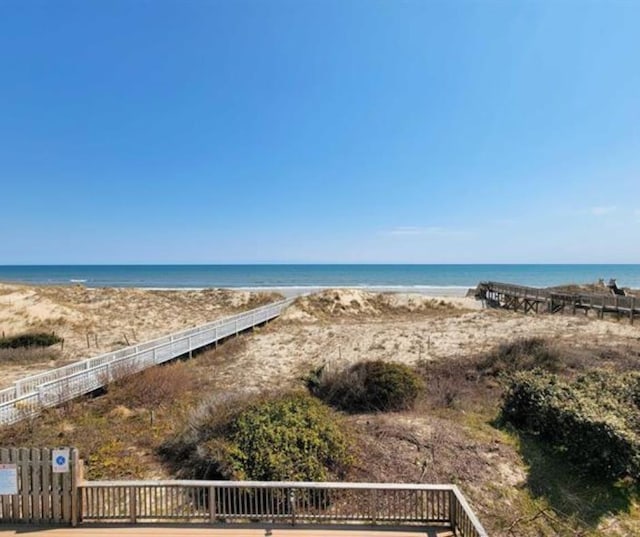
208 531
28 396
533 299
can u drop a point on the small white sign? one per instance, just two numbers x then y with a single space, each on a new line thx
60 460
8 479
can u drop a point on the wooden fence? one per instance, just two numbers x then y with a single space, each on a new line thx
393 505
31 394
43 496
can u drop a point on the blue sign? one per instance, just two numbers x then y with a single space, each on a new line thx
60 460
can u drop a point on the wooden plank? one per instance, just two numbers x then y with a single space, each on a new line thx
76 472
25 483
66 496
15 498
36 486
5 501
45 467
133 504
56 498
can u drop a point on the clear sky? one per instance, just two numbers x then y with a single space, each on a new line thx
319 131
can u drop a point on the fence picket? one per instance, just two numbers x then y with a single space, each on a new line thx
5 501
36 485
24 484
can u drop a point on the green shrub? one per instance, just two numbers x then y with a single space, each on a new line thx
593 420
294 437
376 386
37 339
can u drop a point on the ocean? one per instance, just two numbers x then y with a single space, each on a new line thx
431 279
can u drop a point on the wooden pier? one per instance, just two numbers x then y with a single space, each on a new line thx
538 300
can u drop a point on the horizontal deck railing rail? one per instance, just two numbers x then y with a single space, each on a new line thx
29 395
390 504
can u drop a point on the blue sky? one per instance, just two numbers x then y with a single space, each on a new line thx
319 131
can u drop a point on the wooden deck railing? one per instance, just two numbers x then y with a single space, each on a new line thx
31 394
595 301
395 505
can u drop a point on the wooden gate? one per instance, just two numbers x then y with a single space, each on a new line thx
43 496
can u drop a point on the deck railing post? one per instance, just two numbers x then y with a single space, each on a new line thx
374 506
452 511
212 504
292 505
133 505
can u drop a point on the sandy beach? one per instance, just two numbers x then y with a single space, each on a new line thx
338 327
335 326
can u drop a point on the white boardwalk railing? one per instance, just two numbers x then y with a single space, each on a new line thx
31 394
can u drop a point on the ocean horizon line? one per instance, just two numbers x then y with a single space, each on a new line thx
313 264
320 276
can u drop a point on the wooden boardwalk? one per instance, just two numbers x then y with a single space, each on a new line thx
534 299
28 396
202 531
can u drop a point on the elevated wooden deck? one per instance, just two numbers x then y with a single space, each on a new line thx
534 299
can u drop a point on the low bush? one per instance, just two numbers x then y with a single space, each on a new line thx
593 420
294 437
28 355
153 387
36 339
521 354
376 386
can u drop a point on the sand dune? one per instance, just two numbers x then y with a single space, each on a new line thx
93 321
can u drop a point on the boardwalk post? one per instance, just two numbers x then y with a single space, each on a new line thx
632 309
